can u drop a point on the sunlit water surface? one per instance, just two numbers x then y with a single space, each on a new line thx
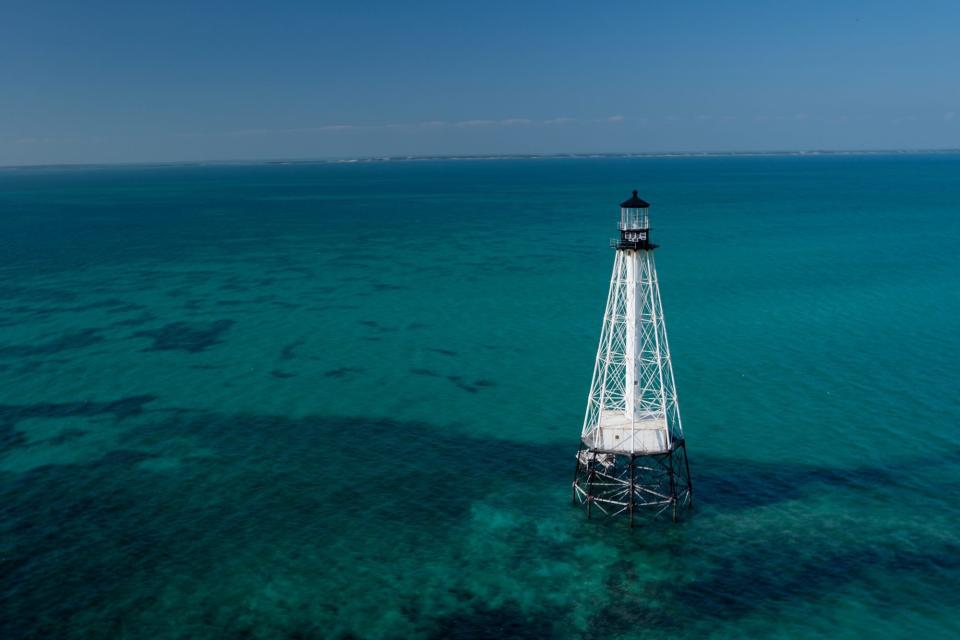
343 400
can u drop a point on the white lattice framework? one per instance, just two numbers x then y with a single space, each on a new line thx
632 407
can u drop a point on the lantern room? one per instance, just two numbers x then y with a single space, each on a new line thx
634 224
634 213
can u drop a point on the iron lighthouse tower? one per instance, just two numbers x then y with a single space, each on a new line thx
632 459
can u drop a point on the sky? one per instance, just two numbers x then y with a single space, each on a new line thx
135 81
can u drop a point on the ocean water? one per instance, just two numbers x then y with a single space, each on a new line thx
343 400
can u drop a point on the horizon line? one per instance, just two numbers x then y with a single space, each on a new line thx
489 156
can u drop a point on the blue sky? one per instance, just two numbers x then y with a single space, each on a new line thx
147 81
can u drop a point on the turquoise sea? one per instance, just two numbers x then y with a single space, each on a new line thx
343 400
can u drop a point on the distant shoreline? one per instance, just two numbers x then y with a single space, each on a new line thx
505 156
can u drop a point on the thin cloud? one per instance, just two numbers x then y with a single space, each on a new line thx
42 140
475 123
320 129
427 124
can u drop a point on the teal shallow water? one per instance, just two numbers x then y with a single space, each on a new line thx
343 400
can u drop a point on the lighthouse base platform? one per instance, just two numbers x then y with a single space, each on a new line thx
617 432
612 482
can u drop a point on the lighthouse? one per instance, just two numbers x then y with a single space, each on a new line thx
632 459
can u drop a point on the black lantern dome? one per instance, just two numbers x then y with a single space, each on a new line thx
635 202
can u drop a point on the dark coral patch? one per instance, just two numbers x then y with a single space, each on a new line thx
115 306
480 621
373 324
288 351
385 286
10 437
66 436
340 372
458 380
136 321
186 336
122 408
471 387
74 340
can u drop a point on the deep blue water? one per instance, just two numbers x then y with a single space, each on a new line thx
295 401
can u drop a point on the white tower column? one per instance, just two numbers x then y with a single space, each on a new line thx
633 293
